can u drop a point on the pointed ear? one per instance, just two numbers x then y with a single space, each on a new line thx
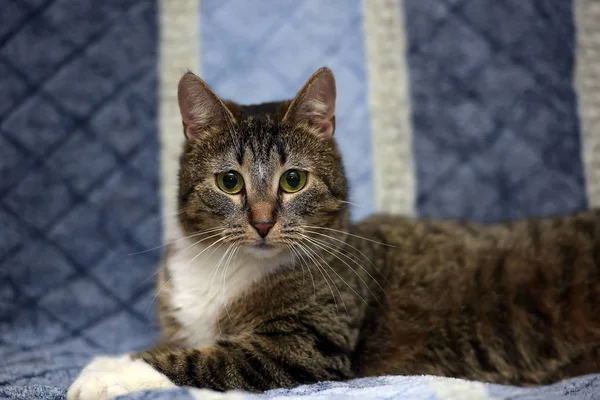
314 105
201 109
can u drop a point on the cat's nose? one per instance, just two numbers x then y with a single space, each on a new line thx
263 228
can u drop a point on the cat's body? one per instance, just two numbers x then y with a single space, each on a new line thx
491 303
270 285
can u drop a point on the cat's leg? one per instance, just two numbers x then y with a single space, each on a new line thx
251 363
256 363
109 376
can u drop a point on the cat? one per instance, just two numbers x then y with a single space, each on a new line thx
269 285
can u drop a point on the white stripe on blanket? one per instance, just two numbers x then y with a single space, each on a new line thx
179 51
587 15
389 100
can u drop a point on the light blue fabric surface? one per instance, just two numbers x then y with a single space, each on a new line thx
271 52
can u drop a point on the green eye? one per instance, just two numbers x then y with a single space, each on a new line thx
230 182
292 181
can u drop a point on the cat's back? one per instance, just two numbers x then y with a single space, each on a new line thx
481 299
442 255
533 237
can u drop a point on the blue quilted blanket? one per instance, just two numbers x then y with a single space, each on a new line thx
478 109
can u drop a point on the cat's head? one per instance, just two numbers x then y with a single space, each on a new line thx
260 176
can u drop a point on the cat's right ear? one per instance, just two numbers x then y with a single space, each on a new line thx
201 109
314 105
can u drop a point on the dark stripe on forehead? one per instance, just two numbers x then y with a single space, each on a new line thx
280 147
251 143
269 139
239 155
260 137
240 147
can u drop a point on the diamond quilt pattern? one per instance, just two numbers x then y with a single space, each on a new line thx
271 52
496 134
78 187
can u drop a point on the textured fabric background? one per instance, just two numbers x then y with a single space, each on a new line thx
479 109
79 187
496 130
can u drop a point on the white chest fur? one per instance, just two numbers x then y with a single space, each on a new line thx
205 280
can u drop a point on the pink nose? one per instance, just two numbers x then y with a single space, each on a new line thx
263 228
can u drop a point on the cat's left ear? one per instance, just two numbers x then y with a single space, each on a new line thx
314 105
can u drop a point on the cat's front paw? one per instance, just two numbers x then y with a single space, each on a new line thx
107 377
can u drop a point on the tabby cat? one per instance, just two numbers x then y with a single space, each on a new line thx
269 284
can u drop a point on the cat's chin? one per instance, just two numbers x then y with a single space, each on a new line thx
264 251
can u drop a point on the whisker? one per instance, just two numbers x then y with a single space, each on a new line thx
304 263
328 248
183 251
339 276
224 276
349 245
165 216
232 132
349 234
214 250
210 237
186 265
351 203
294 258
179 239
220 259
327 245
176 213
216 267
322 269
